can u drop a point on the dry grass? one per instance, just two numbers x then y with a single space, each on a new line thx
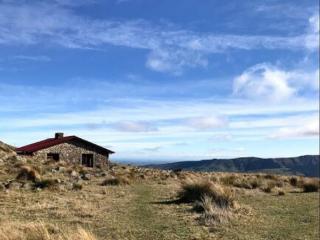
269 186
52 184
271 176
229 179
293 181
212 214
28 173
39 231
115 181
310 185
137 211
77 186
193 191
265 182
247 183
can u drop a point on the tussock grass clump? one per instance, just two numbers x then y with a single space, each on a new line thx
248 183
214 179
255 183
115 181
242 183
271 177
228 180
279 183
28 173
293 181
194 191
77 186
310 186
269 187
51 184
83 170
38 231
267 190
212 215
177 170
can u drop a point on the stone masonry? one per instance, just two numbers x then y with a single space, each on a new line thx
72 152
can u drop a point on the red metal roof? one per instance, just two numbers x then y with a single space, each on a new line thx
55 141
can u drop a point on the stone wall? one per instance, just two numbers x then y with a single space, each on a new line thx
72 152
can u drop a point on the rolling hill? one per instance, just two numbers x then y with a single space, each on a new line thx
6 152
129 202
307 165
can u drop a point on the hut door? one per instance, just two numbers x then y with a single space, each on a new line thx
87 160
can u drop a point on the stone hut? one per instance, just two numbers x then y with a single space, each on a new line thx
70 149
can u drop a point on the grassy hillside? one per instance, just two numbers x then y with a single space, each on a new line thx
304 165
6 152
48 200
134 212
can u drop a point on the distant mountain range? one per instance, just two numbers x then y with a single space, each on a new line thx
307 165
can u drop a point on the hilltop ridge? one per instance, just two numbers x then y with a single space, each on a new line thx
307 165
6 151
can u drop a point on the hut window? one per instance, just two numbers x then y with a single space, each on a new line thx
87 160
53 156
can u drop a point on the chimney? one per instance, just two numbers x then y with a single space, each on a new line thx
58 135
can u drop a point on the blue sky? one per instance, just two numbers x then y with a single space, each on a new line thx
163 80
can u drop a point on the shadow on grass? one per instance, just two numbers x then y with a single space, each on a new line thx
296 192
168 202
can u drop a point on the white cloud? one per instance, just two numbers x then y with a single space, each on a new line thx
305 80
314 23
208 122
280 120
51 103
174 61
265 81
32 58
221 137
152 149
226 152
307 129
170 49
149 123
132 126
312 37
